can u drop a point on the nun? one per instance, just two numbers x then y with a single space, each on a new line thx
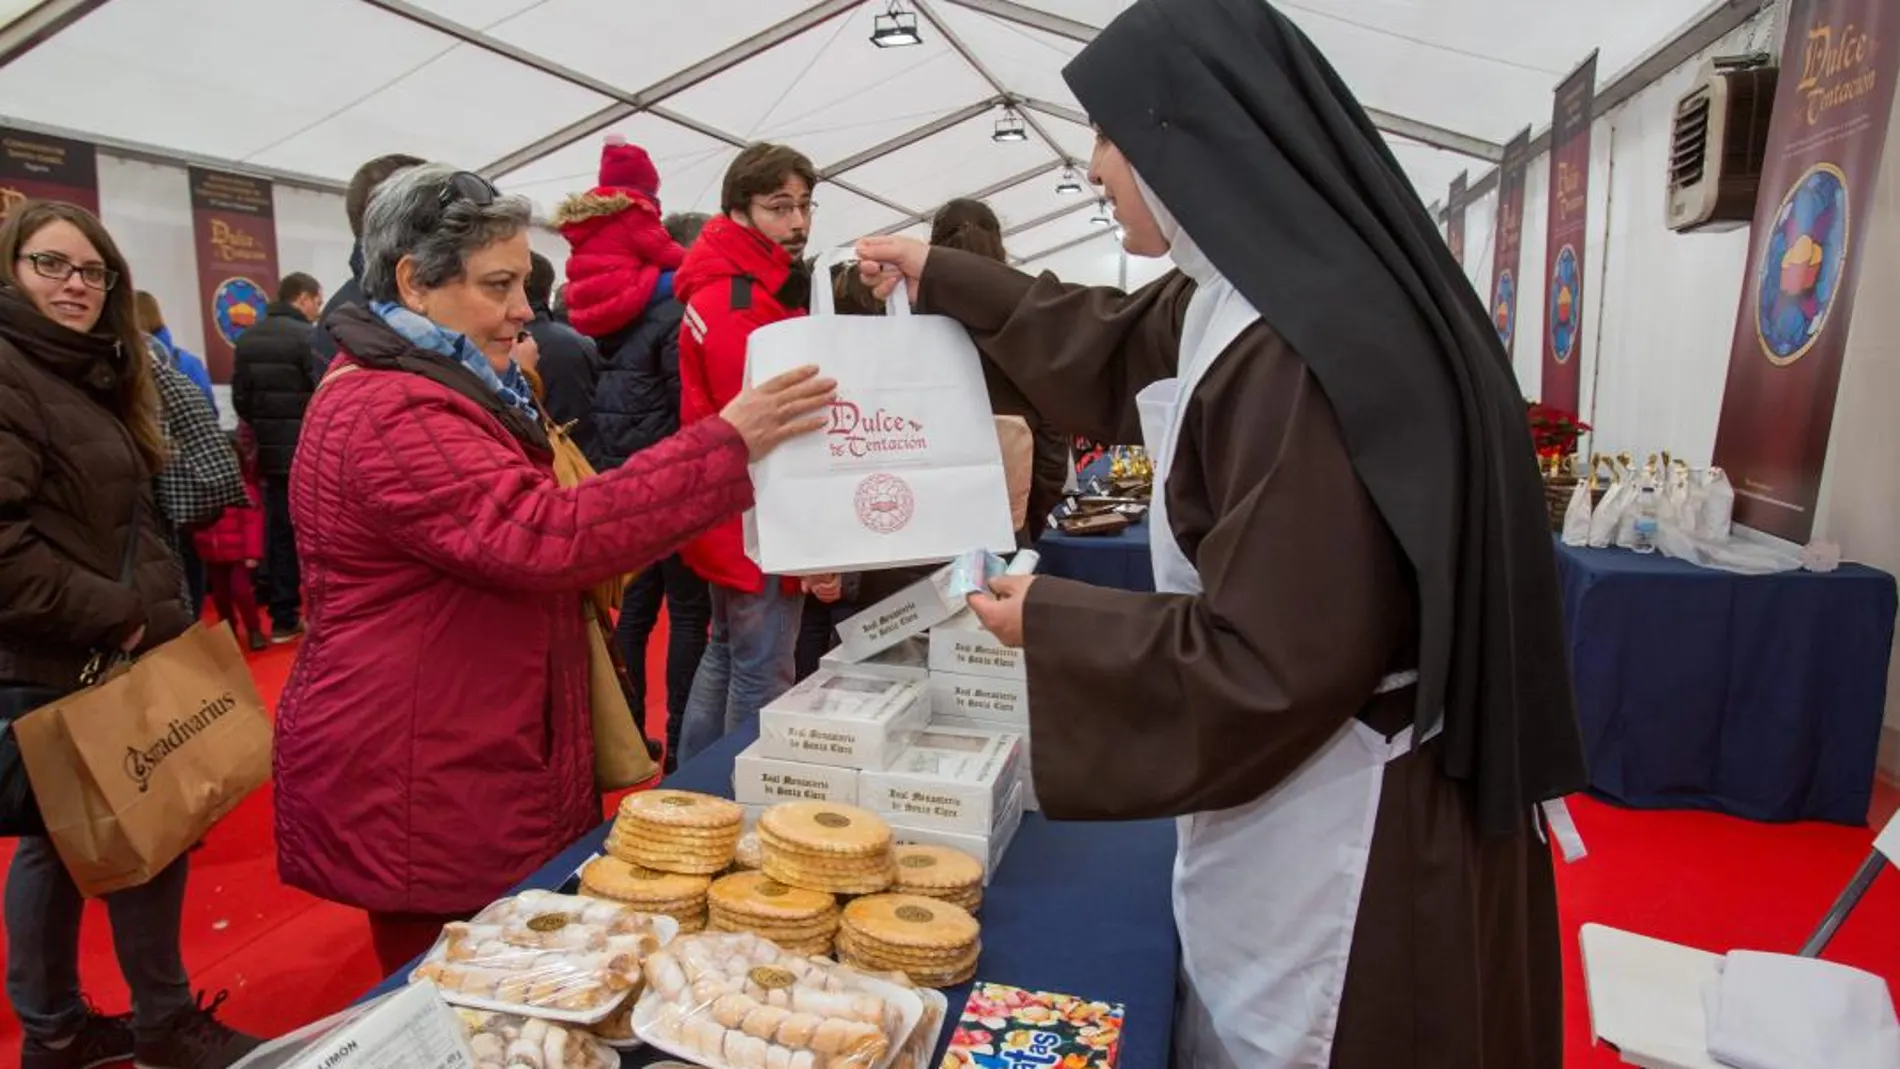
1351 686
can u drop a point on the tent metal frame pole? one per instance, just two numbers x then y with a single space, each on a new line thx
166 157
1704 31
1048 217
40 24
1438 137
985 193
629 104
1107 232
714 132
983 71
909 137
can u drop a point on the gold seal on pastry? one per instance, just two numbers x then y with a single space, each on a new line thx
825 828
911 921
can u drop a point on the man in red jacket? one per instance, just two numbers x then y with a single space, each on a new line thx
743 273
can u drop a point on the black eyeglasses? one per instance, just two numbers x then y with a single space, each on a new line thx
468 186
51 265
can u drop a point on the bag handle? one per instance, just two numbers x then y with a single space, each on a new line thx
822 301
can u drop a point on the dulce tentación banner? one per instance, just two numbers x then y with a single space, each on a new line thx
1510 236
36 166
1832 105
236 231
1563 255
1455 218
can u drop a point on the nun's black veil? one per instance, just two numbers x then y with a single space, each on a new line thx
1248 136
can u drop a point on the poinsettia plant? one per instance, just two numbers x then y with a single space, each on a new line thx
1554 430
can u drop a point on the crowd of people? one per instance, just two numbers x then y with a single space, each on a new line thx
394 490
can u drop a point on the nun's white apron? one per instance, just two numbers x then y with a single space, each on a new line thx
1266 894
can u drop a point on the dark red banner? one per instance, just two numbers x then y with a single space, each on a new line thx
39 167
1832 104
1455 218
236 229
1563 254
1510 236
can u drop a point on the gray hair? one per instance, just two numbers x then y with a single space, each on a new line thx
404 219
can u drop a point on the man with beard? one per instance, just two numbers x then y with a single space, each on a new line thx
743 273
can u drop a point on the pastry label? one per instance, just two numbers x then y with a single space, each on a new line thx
770 978
639 873
773 889
915 914
678 801
832 820
547 922
917 861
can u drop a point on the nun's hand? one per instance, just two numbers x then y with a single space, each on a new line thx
1001 610
882 261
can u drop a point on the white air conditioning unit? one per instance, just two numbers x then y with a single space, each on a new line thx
1717 146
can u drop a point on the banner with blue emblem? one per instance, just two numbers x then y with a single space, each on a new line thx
1833 101
234 220
1563 255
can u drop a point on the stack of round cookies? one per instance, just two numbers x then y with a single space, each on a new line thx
670 894
802 922
927 939
939 872
822 846
676 831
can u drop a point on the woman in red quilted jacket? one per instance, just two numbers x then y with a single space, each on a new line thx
434 744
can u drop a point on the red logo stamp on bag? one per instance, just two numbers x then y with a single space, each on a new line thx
885 503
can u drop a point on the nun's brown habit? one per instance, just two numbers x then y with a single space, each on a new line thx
1354 486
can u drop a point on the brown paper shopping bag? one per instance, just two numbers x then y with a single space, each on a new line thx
131 772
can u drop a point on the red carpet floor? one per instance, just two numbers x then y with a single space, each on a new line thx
1703 880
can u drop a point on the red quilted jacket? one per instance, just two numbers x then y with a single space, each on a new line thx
620 250
434 745
726 284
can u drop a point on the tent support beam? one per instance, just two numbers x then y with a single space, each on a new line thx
167 157
644 100
739 142
1009 11
1049 217
950 38
40 24
985 193
1065 246
908 138
1718 20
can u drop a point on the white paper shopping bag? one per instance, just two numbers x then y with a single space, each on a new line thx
908 471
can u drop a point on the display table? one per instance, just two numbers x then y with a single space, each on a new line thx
1758 696
1121 561
1081 909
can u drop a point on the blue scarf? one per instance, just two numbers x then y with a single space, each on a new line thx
511 385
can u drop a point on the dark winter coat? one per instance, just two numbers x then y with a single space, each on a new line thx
271 386
570 371
637 402
70 475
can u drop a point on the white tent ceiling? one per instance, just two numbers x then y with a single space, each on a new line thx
525 89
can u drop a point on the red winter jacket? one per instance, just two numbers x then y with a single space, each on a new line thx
434 745
727 284
620 249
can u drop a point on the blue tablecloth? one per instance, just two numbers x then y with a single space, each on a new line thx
1759 696
1120 561
1081 909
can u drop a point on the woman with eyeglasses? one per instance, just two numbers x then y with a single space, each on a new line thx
84 571
434 744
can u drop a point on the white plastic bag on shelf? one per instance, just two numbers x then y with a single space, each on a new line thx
1608 516
1718 505
1577 513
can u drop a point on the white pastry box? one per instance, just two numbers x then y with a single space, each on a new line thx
911 611
761 780
968 723
957 779
961 646
843 718
909 661
987 847
999 701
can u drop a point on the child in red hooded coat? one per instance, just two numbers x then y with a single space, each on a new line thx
231 545
620 246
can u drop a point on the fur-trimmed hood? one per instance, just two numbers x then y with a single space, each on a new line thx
600 203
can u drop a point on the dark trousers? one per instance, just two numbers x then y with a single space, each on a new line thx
689 615
283 591
194 570
818 632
